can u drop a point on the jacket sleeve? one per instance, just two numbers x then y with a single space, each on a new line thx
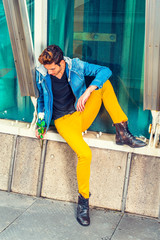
40 100
101 73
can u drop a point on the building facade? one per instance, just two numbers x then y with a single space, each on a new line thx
104 32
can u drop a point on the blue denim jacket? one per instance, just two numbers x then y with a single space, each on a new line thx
76 71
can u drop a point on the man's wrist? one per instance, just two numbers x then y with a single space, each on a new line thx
91 88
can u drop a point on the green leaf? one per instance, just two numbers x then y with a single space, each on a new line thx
42 130
41 136
43 123
39 130
38 124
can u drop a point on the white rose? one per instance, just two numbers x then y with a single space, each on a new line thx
41 115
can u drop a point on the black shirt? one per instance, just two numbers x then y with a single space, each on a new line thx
63 98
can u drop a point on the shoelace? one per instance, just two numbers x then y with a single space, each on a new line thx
129 133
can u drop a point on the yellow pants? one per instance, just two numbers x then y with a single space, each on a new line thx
71 126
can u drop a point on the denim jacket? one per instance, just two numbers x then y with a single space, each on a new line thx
76 71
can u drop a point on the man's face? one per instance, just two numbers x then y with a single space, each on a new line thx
54 69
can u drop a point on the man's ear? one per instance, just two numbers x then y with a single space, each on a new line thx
62 63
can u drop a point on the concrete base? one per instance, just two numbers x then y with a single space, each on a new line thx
107 178
59 180
113 180
144 186
5 159
26 166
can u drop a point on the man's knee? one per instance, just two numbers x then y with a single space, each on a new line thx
107 85
86 155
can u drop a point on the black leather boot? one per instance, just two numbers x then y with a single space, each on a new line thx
123 136
83 211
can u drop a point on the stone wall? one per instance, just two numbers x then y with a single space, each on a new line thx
120 180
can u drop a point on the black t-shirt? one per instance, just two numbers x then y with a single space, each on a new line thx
63 98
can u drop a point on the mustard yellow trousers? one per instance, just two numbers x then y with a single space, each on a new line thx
71 126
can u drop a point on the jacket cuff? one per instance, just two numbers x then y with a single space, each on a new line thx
97 83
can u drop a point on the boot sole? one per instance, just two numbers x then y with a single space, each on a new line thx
119 143
84 225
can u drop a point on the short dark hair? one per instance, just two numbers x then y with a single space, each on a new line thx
52 53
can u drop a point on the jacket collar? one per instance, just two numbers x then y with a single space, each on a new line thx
69 62
42 70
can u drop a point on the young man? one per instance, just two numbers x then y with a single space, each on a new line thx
63 96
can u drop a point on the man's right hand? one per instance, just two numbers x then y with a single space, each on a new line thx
38 135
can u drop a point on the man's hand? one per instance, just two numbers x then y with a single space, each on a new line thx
38 135
83 99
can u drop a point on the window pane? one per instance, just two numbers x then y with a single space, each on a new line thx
12 105
110 33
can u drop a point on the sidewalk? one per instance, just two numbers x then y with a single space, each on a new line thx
30 218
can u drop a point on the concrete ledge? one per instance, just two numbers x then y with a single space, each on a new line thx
109 174
106 141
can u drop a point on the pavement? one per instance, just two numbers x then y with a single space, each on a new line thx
25 217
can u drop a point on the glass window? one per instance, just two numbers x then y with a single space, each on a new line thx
110 33
12 105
